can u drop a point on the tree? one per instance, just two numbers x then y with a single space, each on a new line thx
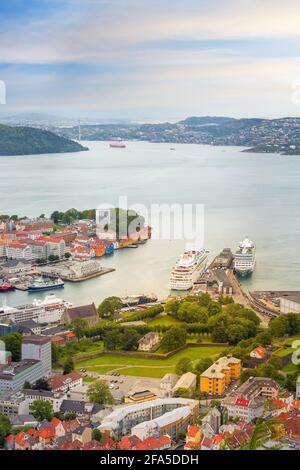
183 365
219 334
171 307
202 365
98 392
129 339
109 307
54 353
191 312
235 333
41 410
97 436
5 428
204 300
42 384
13 343
27 385
174 338
68 255
79 327
214 309
112 339
68 366
182 393
70 416
261 433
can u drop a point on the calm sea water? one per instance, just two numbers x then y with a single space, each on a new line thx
243 194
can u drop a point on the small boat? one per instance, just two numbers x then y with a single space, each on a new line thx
41 284
6 287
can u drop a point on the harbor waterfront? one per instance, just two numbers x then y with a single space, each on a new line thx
243 194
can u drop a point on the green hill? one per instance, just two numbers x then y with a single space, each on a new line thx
29 141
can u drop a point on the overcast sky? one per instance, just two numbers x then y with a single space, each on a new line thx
150 60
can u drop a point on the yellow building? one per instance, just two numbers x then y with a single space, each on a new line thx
217 377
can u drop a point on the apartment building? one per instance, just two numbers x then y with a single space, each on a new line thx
122 420
217 377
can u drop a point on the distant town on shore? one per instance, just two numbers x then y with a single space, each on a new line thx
255 134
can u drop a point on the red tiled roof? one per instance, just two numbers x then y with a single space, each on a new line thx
129 442
279 404
93 445
59 381
193 430
152 443
260 351
21 440
75 445
70 426
10 438
207 442
55 421
47 433
296 404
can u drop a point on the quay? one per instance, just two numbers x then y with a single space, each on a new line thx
91 276
75 271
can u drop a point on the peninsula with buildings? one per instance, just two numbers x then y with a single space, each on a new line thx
256 134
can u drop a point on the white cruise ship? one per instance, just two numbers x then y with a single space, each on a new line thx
188 269
49 310
245 258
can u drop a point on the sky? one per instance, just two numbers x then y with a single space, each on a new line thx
150 60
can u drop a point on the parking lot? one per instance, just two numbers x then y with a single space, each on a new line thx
121 385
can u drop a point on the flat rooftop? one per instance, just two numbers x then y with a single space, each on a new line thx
8 372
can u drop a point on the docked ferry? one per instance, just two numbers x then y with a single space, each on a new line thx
48 310
41 284
188 269
245 258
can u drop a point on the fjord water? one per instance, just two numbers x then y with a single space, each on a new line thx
243 193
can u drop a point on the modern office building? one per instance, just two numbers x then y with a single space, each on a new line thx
13 376
38 348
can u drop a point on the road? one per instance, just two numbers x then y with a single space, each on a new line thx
240 297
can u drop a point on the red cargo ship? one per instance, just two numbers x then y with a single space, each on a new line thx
117 145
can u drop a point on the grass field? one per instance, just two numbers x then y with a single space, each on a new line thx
165 320
287 346
94 348
146 367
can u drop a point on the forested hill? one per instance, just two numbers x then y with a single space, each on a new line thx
29 141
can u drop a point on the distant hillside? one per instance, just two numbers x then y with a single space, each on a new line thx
256 134
206 120
29 141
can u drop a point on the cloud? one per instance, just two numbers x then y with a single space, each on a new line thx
153 58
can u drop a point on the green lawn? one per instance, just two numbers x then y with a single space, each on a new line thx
287 346
96 347
290 368
165 320
146 367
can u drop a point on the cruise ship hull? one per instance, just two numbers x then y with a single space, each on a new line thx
184 277
246 273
